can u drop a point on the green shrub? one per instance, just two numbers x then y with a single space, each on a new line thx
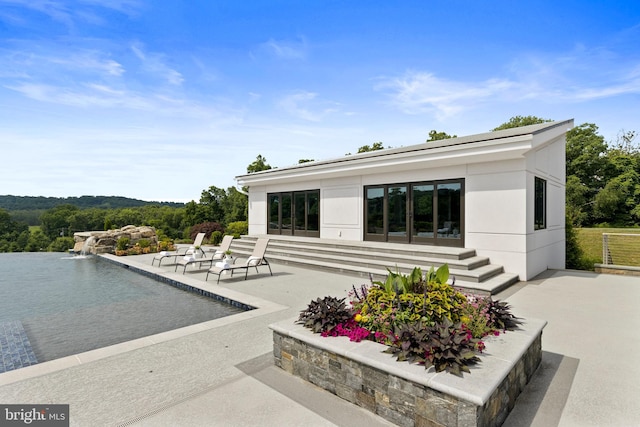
395 302
122 243
445 346
216 238
237 229
165 245
438 326
144 243
61 244
322 315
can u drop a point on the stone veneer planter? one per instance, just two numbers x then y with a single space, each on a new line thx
407 394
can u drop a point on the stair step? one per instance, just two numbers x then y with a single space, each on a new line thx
370 260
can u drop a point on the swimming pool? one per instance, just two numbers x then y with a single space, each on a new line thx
56 305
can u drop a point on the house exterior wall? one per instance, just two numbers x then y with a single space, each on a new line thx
499 195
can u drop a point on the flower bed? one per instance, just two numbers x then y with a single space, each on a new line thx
421 317
423 320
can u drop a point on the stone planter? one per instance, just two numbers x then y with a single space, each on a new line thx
407 394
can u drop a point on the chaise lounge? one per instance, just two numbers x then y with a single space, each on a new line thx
197 246
218 255
255 260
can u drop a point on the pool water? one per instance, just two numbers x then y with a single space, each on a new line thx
67 305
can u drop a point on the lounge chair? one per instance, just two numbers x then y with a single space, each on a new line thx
218 255
255 260
196 247
446 230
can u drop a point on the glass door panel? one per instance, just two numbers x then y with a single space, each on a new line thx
375 213
313 213
299 218
286 213
397 213
449 211
274 214
422 215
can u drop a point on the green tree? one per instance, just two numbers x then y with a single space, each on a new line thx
519 121
56 221
38 242
434 135
212 203
576 201
13 234
259 164
586 171
374 147
235 206
61 244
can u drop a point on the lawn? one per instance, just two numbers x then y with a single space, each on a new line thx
625 251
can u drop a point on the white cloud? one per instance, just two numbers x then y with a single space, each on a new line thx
69 14
577 76
287 49
304 105
419 92
156 64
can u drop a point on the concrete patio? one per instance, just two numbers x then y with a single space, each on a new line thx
222 373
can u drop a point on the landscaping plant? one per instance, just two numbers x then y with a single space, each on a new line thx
421 317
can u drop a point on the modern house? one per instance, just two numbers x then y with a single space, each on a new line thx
501 193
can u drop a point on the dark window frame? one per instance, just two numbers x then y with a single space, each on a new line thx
308 226
539 203
381 233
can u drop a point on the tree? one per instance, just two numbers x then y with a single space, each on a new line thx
13 234
235 205
587 164
38 242
57 220
434 135
625 142
374 147
576 201
212 203
259 164
519 121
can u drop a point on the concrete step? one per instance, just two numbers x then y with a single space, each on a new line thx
371 260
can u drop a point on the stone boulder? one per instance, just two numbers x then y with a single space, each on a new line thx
100 242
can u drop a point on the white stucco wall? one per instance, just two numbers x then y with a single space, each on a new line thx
495 208
499 195
257 210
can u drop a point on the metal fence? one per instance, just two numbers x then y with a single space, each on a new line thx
621 249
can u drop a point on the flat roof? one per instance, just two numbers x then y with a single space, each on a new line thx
450 142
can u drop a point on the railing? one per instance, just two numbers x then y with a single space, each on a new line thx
621 249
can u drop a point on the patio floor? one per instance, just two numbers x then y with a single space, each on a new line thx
222 374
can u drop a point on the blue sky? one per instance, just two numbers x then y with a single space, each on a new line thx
158 100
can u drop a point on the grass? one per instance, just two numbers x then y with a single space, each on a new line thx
590 240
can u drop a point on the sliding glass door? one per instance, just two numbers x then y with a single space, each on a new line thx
421 212
294 213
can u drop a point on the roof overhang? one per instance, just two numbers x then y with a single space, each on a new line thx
492 146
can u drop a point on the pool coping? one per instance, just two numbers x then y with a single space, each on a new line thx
254 307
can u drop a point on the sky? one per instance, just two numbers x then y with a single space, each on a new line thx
159 100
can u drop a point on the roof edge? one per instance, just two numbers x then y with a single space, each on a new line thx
469 139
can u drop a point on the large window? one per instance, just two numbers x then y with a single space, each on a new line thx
540 204
419 212
294 213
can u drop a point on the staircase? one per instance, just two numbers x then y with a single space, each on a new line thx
472 273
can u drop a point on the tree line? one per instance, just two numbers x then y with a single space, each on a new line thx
216 210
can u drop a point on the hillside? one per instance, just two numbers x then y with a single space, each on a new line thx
23 203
